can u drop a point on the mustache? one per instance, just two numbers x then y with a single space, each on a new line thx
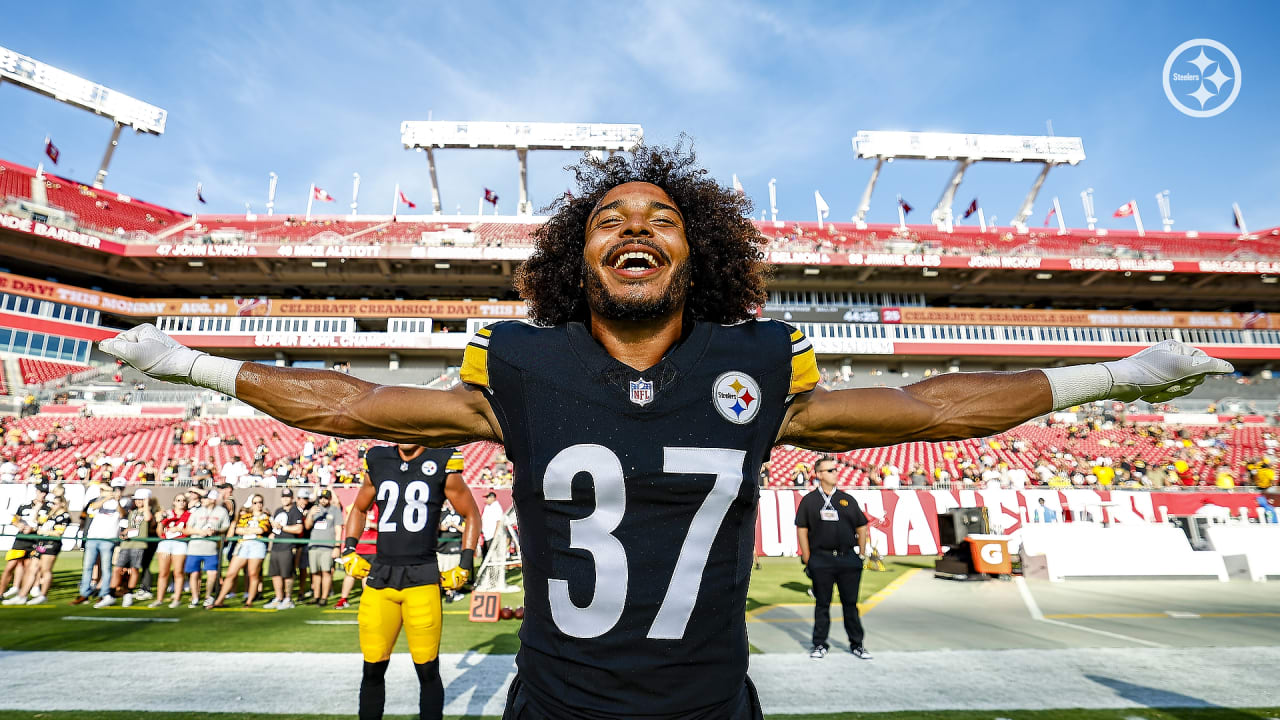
639 241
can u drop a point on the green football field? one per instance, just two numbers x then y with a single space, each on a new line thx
309 628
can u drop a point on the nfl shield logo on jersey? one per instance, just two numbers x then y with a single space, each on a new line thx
641 392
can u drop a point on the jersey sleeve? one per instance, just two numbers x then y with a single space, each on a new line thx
475 359
804 364
456 463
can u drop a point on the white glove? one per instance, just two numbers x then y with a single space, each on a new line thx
1160 373
160 356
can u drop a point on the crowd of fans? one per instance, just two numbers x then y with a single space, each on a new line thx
205 549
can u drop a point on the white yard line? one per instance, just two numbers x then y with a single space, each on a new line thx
1034 608
105 618
475 683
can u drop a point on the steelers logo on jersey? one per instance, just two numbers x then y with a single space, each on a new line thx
429 467
736 396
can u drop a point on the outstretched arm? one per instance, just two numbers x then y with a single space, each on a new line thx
320 401
964 405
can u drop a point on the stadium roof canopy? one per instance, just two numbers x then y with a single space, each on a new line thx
519 136
965 149
85 94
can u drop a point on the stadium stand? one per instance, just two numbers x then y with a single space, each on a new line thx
95 209
35 372
15 181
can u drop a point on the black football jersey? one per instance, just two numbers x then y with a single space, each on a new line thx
409 496
636 493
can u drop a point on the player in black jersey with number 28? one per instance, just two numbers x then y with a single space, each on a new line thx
637 414
409 484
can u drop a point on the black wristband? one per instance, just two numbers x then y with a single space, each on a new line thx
349 545
468 561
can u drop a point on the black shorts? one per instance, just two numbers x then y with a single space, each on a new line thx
523 703
280 564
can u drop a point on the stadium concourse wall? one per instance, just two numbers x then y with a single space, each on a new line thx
903 522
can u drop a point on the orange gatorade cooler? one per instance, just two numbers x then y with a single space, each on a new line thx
990 554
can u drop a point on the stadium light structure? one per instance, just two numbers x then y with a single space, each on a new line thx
964 149
521 137
122 110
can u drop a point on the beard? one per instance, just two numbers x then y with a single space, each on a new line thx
631 305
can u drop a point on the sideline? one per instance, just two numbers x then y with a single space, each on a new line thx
864 607
475 683
1034 609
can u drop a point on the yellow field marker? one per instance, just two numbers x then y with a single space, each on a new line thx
886 591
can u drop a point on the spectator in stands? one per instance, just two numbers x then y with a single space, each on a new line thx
103 533
286 525
177 435
324 523
204 472
139 524
253 523
171 553
205 526
9 470
917 476
233 470
308 449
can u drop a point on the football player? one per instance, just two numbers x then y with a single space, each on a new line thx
637 409
408 483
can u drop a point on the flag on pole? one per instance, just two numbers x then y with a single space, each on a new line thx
406 200
51 150
491 197
1052 211
973 208
1235 219
200 193
906 207
737 186
320 194
823 208
1126 209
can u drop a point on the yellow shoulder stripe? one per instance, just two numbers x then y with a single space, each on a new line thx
475 360
804 364
456 463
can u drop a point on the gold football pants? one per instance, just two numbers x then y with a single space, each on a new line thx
384 610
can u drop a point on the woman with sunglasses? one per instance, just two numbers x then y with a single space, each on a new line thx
253 525
171 553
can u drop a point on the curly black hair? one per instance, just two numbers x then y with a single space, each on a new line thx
727 268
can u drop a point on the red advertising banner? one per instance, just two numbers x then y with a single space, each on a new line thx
905 522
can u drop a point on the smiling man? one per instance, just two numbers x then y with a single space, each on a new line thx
638 409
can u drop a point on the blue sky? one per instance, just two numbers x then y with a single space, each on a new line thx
315 91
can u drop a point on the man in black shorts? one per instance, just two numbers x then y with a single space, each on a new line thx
286 525
637 410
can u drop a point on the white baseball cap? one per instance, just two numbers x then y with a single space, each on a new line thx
142 493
